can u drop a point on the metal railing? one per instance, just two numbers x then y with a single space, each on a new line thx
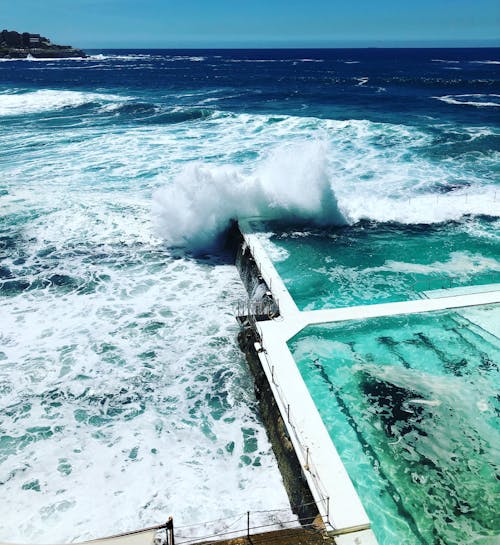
305 452
257 310
240 525
246 525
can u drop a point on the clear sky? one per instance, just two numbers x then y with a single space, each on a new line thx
256 23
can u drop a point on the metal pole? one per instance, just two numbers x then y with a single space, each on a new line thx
170 527
248 525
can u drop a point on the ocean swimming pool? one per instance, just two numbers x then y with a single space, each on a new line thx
119 366
410 403
381 263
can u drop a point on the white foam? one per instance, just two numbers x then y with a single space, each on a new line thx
275 252
484 62
200 202
84 192
258 60
30 58
426 208
190 58
95 355
128 57
462 100
48 100
445 61
461 264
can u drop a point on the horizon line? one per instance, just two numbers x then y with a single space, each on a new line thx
261 47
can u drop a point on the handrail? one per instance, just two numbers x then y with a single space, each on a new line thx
248 529
309 466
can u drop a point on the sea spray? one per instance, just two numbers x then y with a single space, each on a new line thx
291 184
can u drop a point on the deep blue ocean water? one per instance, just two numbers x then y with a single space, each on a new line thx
389 85
119 369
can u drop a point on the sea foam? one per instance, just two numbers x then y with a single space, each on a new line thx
292 183
477 100
459 264
45 100
135 327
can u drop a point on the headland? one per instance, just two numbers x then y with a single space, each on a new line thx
16 45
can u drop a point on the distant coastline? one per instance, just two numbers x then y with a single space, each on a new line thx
16 45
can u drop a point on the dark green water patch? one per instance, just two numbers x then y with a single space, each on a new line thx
14 287
5 273
32 485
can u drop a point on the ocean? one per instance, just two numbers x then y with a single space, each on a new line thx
124 396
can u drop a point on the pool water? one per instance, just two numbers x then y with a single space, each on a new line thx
379 263
411 403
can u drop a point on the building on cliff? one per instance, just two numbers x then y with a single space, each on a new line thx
19 45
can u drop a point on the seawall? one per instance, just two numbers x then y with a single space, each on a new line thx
261 300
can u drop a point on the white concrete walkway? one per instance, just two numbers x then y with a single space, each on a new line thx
330 484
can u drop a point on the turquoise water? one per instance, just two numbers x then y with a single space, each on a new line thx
411 403
380 263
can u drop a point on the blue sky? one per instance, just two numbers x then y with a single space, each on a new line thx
259 23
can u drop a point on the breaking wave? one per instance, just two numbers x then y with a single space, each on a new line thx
484 62
428 208
291 184
46 100
358 171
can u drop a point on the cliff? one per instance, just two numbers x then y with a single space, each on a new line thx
15 45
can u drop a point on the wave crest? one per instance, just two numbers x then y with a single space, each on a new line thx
292 184
477 100
46 100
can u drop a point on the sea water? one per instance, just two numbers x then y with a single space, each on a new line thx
372 262
411 404
124 397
